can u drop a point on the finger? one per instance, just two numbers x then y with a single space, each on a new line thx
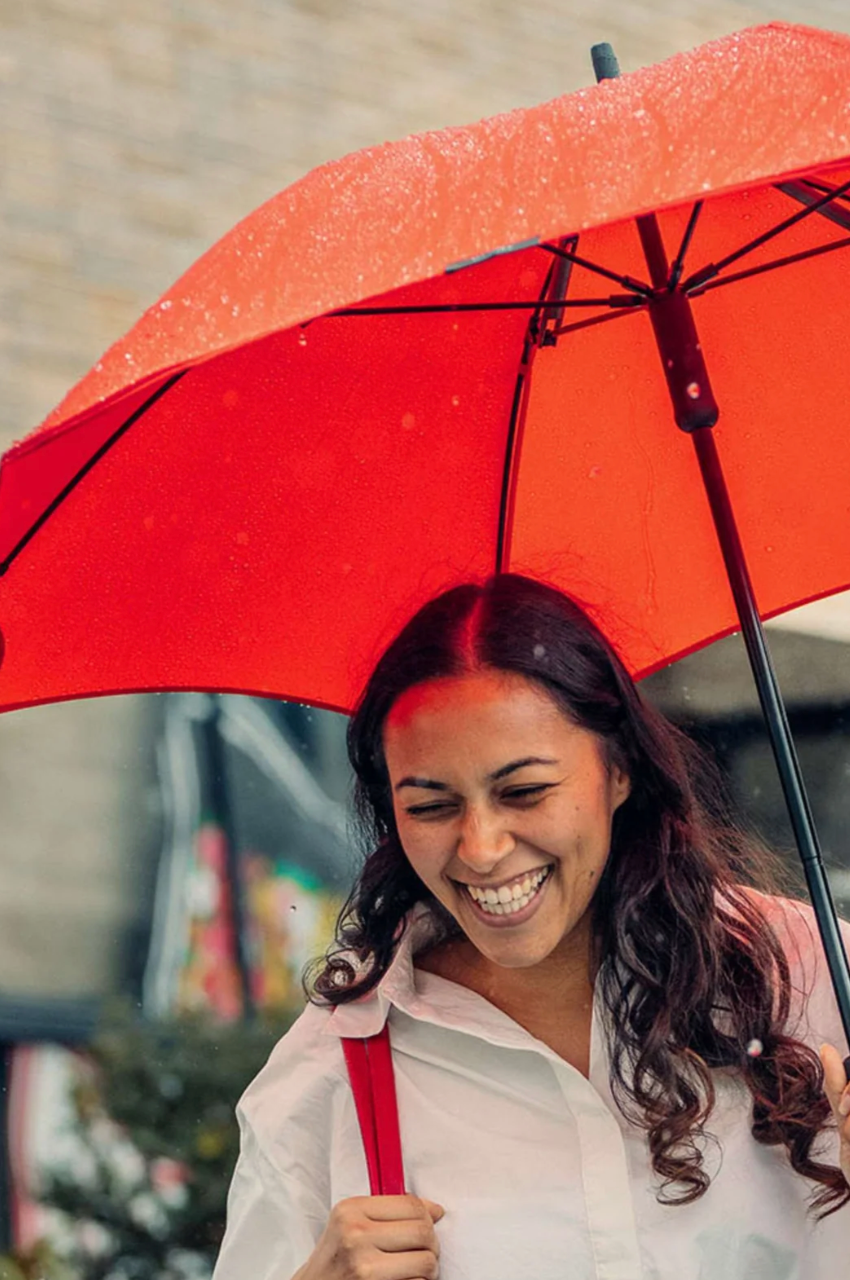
401 1237
389 1208
417 1265
835 1082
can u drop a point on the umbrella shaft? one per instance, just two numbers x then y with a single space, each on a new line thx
776 719
687 380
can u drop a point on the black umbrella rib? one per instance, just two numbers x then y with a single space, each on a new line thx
535 336
634 286
86 468
587 324
510 450
712 269
802 256
615 300
803 194
679 261
820 186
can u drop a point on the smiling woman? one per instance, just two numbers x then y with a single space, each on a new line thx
575 951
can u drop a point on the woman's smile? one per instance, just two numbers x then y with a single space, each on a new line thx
512 903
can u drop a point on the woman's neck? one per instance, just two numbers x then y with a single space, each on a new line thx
563 981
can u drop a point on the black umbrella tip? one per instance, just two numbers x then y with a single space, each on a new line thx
605 64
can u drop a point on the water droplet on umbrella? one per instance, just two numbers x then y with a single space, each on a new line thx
293 907
693 390
455 401
539 651
302 339
755 1049
166 305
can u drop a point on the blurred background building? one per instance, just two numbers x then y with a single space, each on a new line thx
133 135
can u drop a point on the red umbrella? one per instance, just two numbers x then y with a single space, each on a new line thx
439 357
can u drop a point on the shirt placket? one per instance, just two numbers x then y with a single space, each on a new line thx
605 1176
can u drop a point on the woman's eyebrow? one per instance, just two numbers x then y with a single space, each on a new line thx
520 764
428 784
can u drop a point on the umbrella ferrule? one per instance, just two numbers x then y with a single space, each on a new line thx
678 343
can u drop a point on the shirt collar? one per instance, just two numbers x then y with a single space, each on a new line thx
367 1015
429 998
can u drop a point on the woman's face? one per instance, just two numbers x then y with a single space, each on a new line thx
503 807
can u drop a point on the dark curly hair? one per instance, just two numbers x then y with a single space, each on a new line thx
691 970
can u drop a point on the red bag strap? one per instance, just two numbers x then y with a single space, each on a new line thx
370 1070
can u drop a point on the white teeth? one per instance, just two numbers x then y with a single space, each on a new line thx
505 901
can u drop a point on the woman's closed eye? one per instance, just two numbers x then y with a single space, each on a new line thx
436 808
521 796
527 794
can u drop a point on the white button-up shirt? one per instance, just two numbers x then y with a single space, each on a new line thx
541 1176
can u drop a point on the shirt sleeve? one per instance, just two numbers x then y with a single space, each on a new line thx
814 1003
273 1222
278 1203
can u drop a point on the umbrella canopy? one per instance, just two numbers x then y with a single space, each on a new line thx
355 399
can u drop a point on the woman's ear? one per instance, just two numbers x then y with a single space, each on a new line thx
621 786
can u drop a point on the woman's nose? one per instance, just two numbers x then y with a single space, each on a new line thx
484 841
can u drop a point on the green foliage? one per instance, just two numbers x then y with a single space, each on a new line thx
40 1263
157 1142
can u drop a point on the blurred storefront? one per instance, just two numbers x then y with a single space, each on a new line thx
248 840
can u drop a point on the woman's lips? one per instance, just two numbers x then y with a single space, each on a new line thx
496 921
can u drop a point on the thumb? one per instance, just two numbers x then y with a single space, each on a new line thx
835 1078
436 1210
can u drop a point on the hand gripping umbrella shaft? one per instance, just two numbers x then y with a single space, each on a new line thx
696 412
